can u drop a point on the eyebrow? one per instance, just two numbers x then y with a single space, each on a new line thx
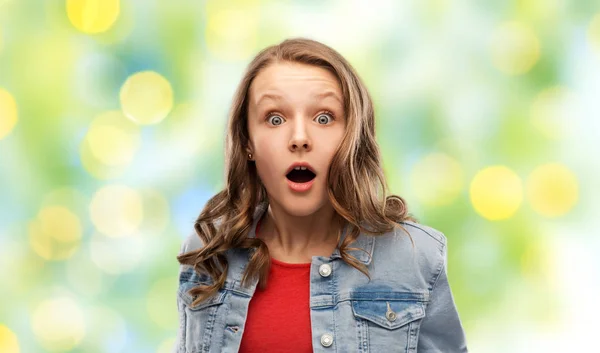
277 97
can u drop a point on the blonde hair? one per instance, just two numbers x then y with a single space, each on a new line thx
355 183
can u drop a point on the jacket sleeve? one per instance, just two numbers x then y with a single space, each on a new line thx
441 329
179 346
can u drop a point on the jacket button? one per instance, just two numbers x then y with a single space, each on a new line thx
326 340
390 314
325 270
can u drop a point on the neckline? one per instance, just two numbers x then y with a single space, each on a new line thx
279 262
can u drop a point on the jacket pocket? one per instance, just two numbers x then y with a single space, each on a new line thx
188 299
199 319
388 321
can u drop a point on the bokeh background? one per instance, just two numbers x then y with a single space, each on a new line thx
112 122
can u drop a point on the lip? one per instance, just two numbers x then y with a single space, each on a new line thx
300 164
300 187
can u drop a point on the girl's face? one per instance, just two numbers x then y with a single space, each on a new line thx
295 114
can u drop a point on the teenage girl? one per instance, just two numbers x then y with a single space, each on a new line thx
304 250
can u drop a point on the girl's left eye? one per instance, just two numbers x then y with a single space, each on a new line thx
323 117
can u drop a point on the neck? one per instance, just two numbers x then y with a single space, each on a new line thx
297 238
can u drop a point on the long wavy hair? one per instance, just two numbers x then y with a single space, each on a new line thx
355 181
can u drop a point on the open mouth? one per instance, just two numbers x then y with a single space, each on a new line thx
300 175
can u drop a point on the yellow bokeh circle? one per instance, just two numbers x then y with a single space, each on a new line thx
437 179
95 167
8 113
110 145
146 97
56 233
93 16
117 210
496 192
515 48
552 190
8 341
113 146
231 33
58 324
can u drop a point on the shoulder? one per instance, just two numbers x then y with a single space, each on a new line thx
418 250
425 233
423 239
190 243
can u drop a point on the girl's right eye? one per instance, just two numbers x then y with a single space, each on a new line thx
275 119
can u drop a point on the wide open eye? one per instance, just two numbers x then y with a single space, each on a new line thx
322 118
275 119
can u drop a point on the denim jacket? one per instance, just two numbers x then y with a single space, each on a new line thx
407 306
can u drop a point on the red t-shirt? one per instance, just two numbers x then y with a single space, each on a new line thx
278 318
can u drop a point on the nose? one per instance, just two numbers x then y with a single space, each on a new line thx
300 138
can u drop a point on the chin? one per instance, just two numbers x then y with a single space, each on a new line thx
301 206
299 210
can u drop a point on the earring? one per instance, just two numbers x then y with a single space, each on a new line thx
249 155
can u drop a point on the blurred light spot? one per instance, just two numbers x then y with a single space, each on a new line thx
167 345
552 190
58 324
69 198
117 255
93 16
116 210
95 167
496 192
109 145
83 275
55 234
515 48
594 33
437 179
553 111
113 139
546 11
231 33
109 333
8 340
157 303
60 222
146 97
113 146
123 27
8 113
537 263
156 211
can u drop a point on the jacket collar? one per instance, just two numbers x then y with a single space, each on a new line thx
364 242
